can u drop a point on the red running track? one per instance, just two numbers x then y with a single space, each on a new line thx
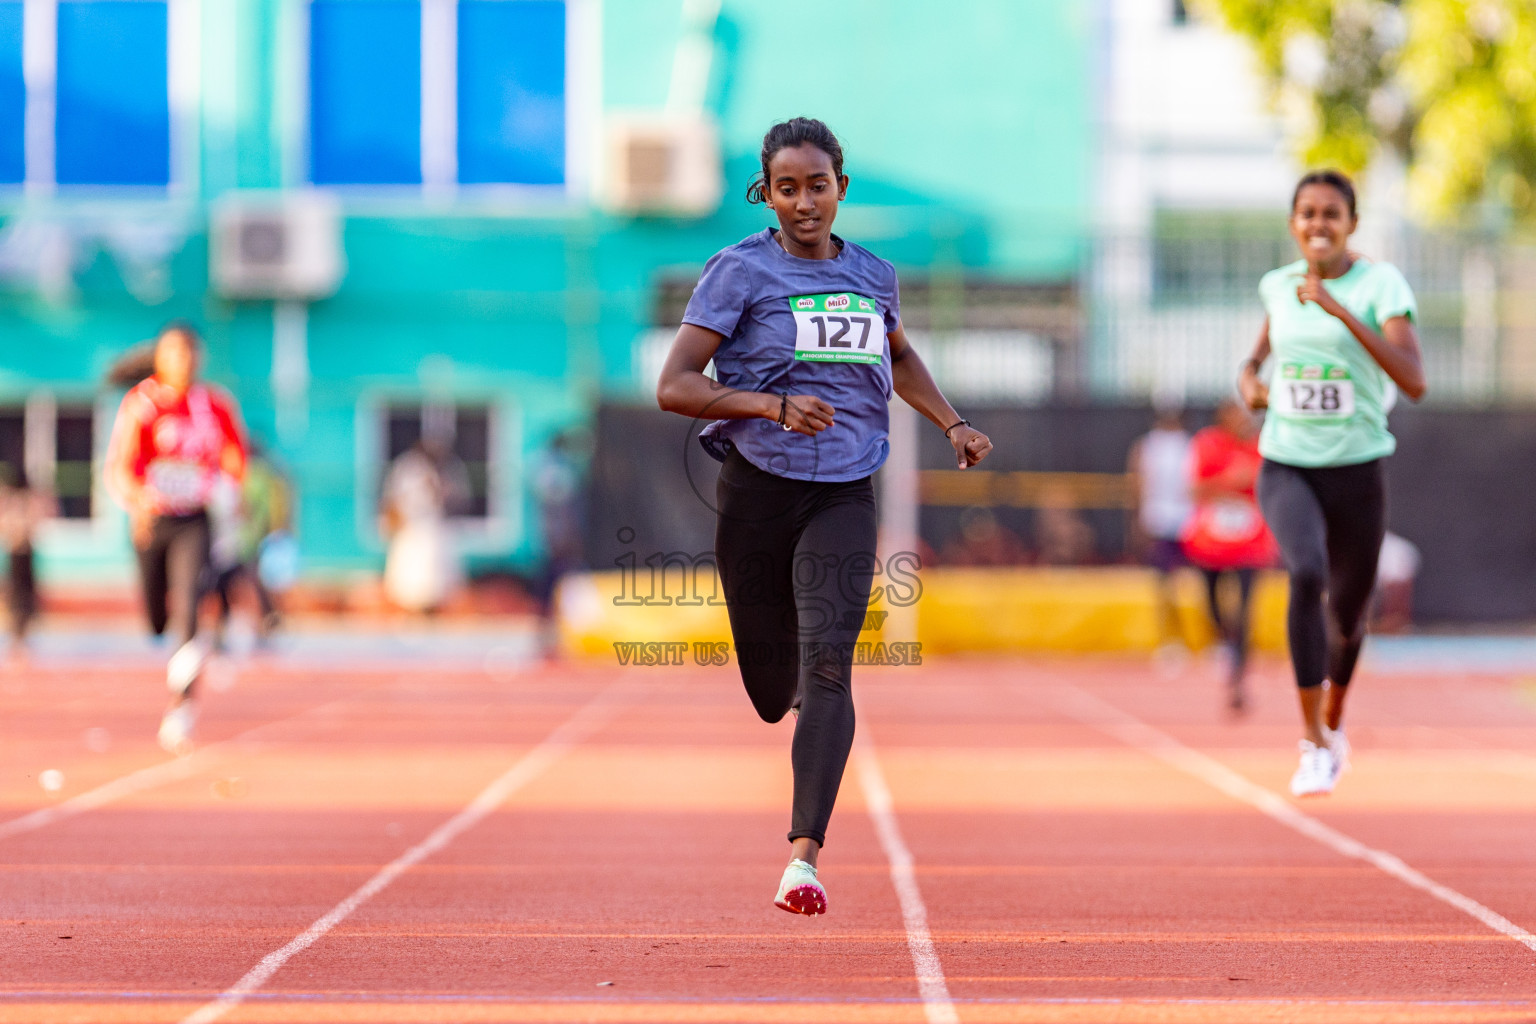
1072 848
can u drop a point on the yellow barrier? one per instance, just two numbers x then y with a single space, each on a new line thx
1084 610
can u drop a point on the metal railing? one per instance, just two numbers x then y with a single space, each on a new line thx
1171 317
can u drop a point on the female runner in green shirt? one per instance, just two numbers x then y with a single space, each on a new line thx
1341 330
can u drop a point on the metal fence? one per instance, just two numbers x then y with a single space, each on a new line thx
1170 317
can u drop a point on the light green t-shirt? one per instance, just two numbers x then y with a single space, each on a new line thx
1328 399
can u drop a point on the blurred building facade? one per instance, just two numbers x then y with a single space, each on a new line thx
1080 198
459 149
1194 174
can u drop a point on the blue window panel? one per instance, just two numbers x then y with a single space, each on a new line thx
13 96
365 92
512 91
113 115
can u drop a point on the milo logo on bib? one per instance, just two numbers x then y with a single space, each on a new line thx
1312 391
840 327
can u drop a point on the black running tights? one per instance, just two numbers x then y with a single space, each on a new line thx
174 572
796 559
1329 522
1231 623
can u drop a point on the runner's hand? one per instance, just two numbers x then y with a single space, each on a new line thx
1254 391
971 445
140 528
1311 290
807 414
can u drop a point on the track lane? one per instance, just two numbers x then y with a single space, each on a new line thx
1041 897
1026 828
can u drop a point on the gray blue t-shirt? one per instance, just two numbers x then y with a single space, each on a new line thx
806 327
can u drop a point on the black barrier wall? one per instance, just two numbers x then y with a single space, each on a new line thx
1459 490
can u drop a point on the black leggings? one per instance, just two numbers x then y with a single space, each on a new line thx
174 571
1329 522
21 590
796 559
1233 624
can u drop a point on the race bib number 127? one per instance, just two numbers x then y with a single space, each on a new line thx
838 328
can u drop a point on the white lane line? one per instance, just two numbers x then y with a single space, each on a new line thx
152 777
587 719
931 986
1132 731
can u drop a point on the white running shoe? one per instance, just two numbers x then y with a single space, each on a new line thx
176 729
1339 744
185 666
800 892
1317 773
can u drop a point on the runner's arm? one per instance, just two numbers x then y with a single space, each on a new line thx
125 482
1395 349
916 386
1254 391
684 389
232 456
123 472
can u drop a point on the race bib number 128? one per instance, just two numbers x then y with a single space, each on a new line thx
1312 392
838 328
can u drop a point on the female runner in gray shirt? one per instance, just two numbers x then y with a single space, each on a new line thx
805 332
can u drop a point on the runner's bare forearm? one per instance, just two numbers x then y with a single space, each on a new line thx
1260 350
690 393
684 389
1398 358
915 385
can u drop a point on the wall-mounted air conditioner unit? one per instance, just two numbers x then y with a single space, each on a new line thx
276 247
662 164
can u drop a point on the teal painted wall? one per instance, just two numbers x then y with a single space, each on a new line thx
980 110
968 140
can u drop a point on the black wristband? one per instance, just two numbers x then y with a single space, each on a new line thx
784 410
952 426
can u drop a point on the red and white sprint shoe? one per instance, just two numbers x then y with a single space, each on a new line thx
800 892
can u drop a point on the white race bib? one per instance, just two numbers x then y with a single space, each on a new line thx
838 328
1312 392
1233 521
177 482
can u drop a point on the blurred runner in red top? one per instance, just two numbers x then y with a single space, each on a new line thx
1227 535
172 439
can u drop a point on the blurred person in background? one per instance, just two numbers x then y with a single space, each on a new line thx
559 490
424 486
1341 329
984 541
1226 536
1062 535
269 530
173 438
22 508
1159 470
1396 570
244 516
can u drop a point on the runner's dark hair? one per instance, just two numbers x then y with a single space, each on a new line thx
1333 179
186 328
797 131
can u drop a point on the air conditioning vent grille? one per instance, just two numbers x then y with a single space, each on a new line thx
284 247
663 164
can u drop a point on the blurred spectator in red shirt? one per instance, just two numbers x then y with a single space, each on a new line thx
1226 536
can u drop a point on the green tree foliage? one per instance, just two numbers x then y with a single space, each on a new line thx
1450 85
